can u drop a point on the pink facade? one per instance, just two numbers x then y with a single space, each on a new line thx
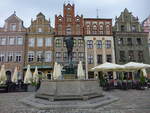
146 24
12 39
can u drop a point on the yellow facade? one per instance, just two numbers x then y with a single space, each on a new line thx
39 45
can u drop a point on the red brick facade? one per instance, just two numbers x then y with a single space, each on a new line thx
68 24
93 26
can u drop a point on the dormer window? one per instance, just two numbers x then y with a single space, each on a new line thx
122 28
39 30
68 8
13 27
133 28
59 19
78 19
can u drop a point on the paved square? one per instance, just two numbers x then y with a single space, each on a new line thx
131 101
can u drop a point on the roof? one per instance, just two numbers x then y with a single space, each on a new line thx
13 16
40 14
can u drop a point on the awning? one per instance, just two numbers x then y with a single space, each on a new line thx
39 67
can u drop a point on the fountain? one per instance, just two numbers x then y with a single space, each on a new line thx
70 92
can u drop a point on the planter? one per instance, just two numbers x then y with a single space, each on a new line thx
31 88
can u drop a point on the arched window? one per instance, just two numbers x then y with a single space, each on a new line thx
107 29
88 29
77 29
90 44
101 28
58 43
68 30
59 29
94 29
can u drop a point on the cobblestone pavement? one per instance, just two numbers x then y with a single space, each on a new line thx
131 101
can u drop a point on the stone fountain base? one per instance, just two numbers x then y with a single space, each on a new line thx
69 90
69 94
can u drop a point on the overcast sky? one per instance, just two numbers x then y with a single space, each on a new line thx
27 9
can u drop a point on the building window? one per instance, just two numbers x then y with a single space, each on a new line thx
129 41
31 42
78 20
120 41
80 42
140 56
81 56
74 42
107 29
59 29
30 56
133 28
69 19
139 41
13 27
19 41
90 59
99 44
108 58
101 32
2 57
40 30
131 55
68 30
39 42
88 31
39 56
3 41
58 55
122 56
78 29
48 42
122 28
58 43
74 55
10 57
90 43
18 57
65 56
99 59
11 40
108 44
48 56
94 30
101 28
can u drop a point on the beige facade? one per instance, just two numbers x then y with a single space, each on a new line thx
99 43
100 50
12 40
39 46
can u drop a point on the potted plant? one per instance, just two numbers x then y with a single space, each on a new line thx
142 82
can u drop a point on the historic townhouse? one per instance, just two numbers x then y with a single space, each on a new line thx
39 45
146 28
67 25
130 41
12 40
99 43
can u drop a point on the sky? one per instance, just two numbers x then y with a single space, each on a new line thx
27 9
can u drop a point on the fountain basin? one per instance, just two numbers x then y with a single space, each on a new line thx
55 90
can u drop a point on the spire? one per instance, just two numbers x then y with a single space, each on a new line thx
126 10
14 13
97 11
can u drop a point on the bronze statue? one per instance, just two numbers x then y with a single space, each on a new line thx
69 46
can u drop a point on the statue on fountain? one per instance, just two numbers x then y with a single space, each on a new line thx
69 46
